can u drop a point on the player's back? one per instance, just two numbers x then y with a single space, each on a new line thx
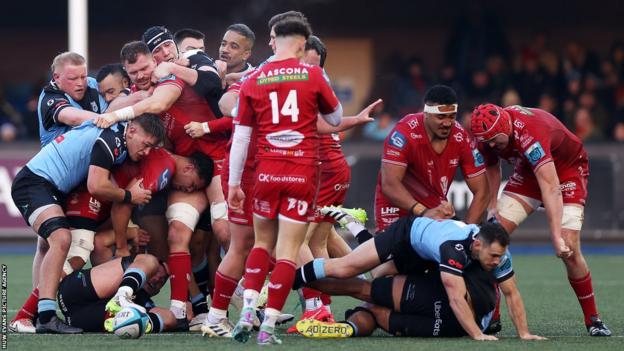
427 235
286 97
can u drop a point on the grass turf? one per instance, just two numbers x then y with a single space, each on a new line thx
551 307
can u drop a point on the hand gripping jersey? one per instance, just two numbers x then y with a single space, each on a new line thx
52 101
538 138
65 161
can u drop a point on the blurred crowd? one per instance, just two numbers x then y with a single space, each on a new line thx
583 88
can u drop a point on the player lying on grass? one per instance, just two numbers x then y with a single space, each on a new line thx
412 246
89 298
415 305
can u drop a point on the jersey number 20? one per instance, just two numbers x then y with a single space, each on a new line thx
288 109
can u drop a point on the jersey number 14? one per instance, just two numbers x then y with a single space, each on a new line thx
288 109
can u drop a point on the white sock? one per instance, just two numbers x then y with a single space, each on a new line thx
250 298
313 303
237 297
216 315
178 308
328 308
355 228
270 317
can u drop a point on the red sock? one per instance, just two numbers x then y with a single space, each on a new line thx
280 283
326 299
180 268
256 268
496 314
29 309
309 293
271 263
585 294
224 288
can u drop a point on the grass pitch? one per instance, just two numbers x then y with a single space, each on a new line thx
552 309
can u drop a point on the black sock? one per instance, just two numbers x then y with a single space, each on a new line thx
202 276
46 313
363 236
307 271
200 305
155 320
134 279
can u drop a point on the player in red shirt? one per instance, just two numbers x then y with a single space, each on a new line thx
178 105
421 155
281 100
550 168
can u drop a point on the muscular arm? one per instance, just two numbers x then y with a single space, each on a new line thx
493 174
72 116
551 197
515 306
228 102
120 217
162 99
456 290
479 187
127 100
188 75
100 185
393 188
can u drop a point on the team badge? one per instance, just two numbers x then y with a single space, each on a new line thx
397 139
478 158
534 153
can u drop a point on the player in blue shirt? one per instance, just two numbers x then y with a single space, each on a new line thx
85 152
413 246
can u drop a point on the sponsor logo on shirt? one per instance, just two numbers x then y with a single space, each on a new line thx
416 136
568 186
525 139
163 179
94 106
455 264
391 152
534 153
453 162
518 124
397 139
478 158
285 138
412 123
283 74
389 210
459 137
270 178
341 186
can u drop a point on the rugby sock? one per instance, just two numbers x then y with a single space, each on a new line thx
237 297
199 304
271 263
256 269
355 228
585 294
355 329
46 309
224 288
363 236
29 309
280 284
216 315
134 279
270 317
180 267
201 273
157 322
312 299
326 299
250 298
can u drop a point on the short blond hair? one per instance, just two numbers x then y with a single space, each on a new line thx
67 57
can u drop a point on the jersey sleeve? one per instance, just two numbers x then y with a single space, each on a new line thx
50 105
453 257
102 151
471 161
157 170
244 112
537 153
490 158
327 100
504 270
396 147
171 80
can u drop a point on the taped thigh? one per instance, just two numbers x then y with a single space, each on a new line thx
183 213
512 209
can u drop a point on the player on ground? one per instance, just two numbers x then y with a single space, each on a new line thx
281 100
130 281
551 168
417 245
420 158
86 152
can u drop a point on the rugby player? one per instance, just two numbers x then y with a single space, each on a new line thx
85 152
112 81
420 158
281 100
550 169
235 50
89 298
416 245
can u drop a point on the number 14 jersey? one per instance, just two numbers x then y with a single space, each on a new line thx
282 100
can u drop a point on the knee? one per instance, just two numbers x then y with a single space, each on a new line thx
179 233
60 240
148 263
